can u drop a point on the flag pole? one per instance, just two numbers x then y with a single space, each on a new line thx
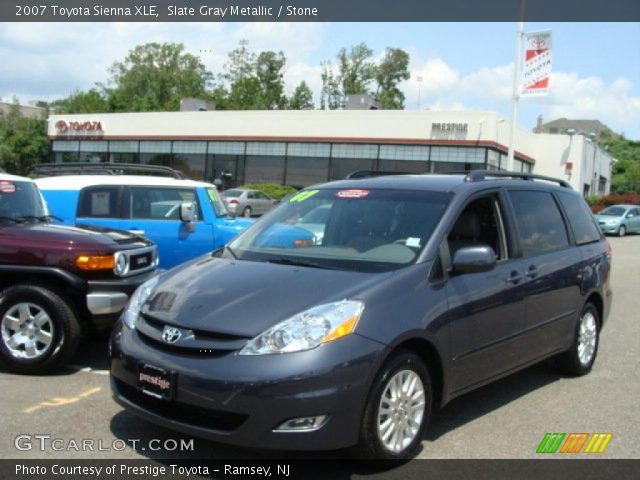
516 85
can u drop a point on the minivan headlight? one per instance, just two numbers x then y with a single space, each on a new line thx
307 330
141 295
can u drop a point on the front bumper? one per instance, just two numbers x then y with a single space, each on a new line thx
608 228
240 400
107 298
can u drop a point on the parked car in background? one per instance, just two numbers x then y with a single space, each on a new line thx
619 219
246 203
185 218
422 288
59 282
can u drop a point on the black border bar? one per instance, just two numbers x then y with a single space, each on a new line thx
320 10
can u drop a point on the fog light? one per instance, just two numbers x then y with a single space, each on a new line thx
302 424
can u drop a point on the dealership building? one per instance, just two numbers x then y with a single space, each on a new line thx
305 147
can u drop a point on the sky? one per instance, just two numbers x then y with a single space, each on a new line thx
463 66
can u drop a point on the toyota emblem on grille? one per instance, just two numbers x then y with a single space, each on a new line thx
171 334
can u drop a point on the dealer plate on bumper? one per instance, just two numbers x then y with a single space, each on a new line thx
156 382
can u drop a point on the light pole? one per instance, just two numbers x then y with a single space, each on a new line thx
516 85
419 80
594 137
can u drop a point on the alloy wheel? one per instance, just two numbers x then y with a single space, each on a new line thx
401 410
587 338
27 331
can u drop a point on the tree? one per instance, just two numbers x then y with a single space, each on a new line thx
155 77
269 71
23 141
393 69
302 98
331 96
356 70
91 101
255 82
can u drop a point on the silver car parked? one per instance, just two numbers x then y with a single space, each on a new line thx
245 202
619 219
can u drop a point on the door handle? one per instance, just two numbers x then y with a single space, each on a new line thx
135 231
532 272
514 277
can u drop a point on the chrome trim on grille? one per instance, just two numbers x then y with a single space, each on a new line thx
153 250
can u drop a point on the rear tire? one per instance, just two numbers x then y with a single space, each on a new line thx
246 212
389 416
579 359
622 231
39 330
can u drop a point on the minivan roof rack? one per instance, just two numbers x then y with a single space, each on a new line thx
480 175
373 173
81 168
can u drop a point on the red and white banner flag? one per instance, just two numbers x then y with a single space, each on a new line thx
537 63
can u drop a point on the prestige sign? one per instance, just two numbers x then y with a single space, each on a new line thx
449 127
89 126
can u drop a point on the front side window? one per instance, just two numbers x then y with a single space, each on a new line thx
540 225
479 224
159 203
352 229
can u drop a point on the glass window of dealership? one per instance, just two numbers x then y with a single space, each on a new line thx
290 163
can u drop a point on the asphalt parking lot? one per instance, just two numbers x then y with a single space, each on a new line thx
504 420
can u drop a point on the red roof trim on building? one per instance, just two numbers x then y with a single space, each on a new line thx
399 141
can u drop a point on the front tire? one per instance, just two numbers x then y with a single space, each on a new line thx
39 331
398 409
622 231
579 359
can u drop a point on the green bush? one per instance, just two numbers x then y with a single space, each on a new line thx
273 190
592 200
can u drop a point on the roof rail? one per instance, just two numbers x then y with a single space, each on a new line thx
81 168
480 175
373 173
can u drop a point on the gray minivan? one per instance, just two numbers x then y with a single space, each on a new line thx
418 289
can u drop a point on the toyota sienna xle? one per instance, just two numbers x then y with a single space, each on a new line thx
418 289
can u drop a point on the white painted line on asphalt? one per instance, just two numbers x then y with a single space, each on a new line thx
80 368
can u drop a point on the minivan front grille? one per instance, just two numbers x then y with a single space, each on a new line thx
198 341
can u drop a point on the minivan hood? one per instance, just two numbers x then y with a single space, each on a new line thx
245 298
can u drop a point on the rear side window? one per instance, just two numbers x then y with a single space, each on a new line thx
100 202
580 218
540 225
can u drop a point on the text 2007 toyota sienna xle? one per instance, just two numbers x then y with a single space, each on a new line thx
411 290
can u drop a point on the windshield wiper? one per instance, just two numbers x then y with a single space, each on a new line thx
11 219
298 262
40 218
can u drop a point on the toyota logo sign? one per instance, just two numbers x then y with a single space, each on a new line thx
171 334
62 126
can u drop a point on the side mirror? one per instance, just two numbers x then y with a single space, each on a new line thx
474 259
187 212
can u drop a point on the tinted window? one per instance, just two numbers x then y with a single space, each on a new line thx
540 224
582 223
100 202
19 199
160 203
232 193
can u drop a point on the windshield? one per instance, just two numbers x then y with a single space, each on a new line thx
21 201
613 211
217 203
364 230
